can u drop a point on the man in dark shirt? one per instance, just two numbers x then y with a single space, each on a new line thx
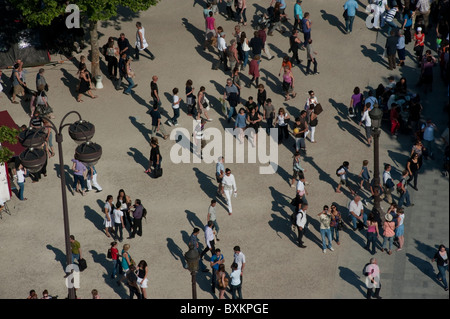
137 218
263 36
154 91
124 45
391 49
294 42
156 123
122 70
256 44
250 104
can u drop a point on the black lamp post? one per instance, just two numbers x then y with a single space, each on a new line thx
192 257
376 114
34 158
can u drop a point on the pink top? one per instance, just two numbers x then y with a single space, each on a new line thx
389 229
210 23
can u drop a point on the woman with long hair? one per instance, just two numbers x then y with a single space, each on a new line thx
288 83
125 203
85 83
142 277
282 124
372 233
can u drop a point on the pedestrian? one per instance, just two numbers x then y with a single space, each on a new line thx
356 103
268 114
300 223
118 222
441 258
401 50
128 75
141 43
325 229
388 233
40 80
379 9
372 271
407 24
193 241
413 167
216 260
240 11
288 84
116 265
21 173
419 44
220 172
209 239
298 15
222 281
138 214
403 191
286 62
297 169
142 277
350 6
388 183
294 46
230 12
210 32
364 174
125 203
232 53
127 261
17 83
428 130
283 119
236 285
111 54
342 173
306 26
365 118
213 217
250 105
222 50
237 81
239 259
356 209
261 98
157 125
154 91
372 233
202 103
265 46
400 228
423 8
300 129
311 54
79 175
276 19
313 121
254 120
124 45
300 188
230 189
389 18
253 70
336 223
176 107
391 49
231 95
85 84
427 72
91 179
190 98
108 211
75 248
132 283
241 124
245 48
199 140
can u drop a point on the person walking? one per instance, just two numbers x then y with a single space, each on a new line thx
213 217
141 43
294 46
176 107
300 223
202 104
138 214
297 169
441 258
254 120
231 95
283 119
262 34
300 188
400 228
367 123
268 114
306 26
388 233
413 166
356 103
124 45
350 6
128 74
193 241
132 284
311 54
419 44
142 277
108 210
298 15
253 70
313 121
325 230
236 285
125 203
403 191
91 179
21 173
372 271
127 261
209 239
388 183
222 281
288 84
335 224
244 43
372 233
220 172
76 249
119 224
428 129
364 174
401 48
111 54
216 260
391 49
222 50
157 125
342 173
239 259
230 189
79 176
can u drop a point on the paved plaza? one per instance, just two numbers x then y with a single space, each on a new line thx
32 238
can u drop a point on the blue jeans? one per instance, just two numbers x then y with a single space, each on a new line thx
335 230
326 234
349 23
238 289
442 275
130 85
371 239
79 178
176 115
404 197
116 266
269 125
386 240
245 60
231 112
391 24
355 220
75 256
21 189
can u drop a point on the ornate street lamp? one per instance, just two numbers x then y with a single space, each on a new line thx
33 158
376 115
192 257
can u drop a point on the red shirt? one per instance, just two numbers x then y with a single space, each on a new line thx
420 39
114 253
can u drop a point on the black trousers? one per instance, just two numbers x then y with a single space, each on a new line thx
137 227
112 65
300 235
308 65
371 293
295 55
213 248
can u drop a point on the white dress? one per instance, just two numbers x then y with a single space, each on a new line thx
138 40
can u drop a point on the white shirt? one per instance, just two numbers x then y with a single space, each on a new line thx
221 44
117 215
386 176
143 45
312 100
239 259
176 103
342 173
356 208
209 235
301 219
300 187
366 119
229 181
20 176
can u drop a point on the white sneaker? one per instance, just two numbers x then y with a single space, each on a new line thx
209 120
324 251
170 123
331 248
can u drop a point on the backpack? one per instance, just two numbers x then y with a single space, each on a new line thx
399 187
144 213
294 218
109 254
339 168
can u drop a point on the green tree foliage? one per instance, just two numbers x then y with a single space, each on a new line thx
9 135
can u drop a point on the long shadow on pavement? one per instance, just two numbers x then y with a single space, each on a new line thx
353 279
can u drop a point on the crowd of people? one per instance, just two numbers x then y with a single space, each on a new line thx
401 109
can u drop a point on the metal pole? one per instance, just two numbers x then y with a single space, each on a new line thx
59 139
194 285
376 170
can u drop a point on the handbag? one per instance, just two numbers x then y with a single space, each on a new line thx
345 14
318 109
